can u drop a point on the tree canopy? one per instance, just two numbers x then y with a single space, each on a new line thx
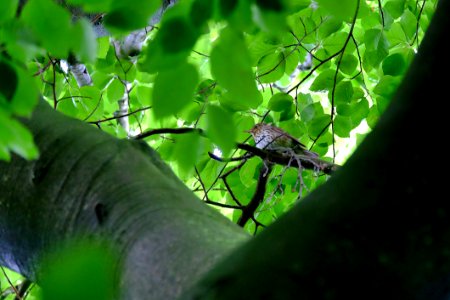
206 72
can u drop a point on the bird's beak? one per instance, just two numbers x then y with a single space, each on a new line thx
249 131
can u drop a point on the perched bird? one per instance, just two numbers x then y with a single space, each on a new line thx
270 137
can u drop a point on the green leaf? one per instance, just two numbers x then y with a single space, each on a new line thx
84 41
44 17
273 5
387 86
377 48
8 10
319 125
187 151
271 67
15 137
220 128
344 9
408 22
185 35
280 102
396 35
201 12
231 66
394 65
125 16
8 81
394 7
103 47
26 95
324 81
360 110
91 105
373 116
311 112
92 6
226 7
342 126
375 39
333 44
247 172
292 60
348 64
115 91
174 89
329 26
343 92
81 271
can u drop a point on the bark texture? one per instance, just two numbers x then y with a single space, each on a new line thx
88 184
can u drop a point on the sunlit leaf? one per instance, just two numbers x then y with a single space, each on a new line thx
174 89
271 67
280 102
45 16
220 128
8 9
236 60
344 9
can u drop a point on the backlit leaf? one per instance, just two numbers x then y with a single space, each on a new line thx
174 89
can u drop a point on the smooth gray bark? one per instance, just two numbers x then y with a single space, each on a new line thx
89 184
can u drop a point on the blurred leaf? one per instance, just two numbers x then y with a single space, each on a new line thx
247 172
201 12
344 9
92 6
82 271
124 16
8 10
44 17
342 126
235 60
280 102
394 64
292 60
26 95
324 81
319 125
8 81
85 42
348 64
386 86
187 151
115 91
226 7
373 116
394 7
15 137
184 32
396 35
343 92
311 112
271 67
408 22
330 25
220 128
174 89
376 47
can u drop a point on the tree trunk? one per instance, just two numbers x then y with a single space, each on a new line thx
89 184
380 227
